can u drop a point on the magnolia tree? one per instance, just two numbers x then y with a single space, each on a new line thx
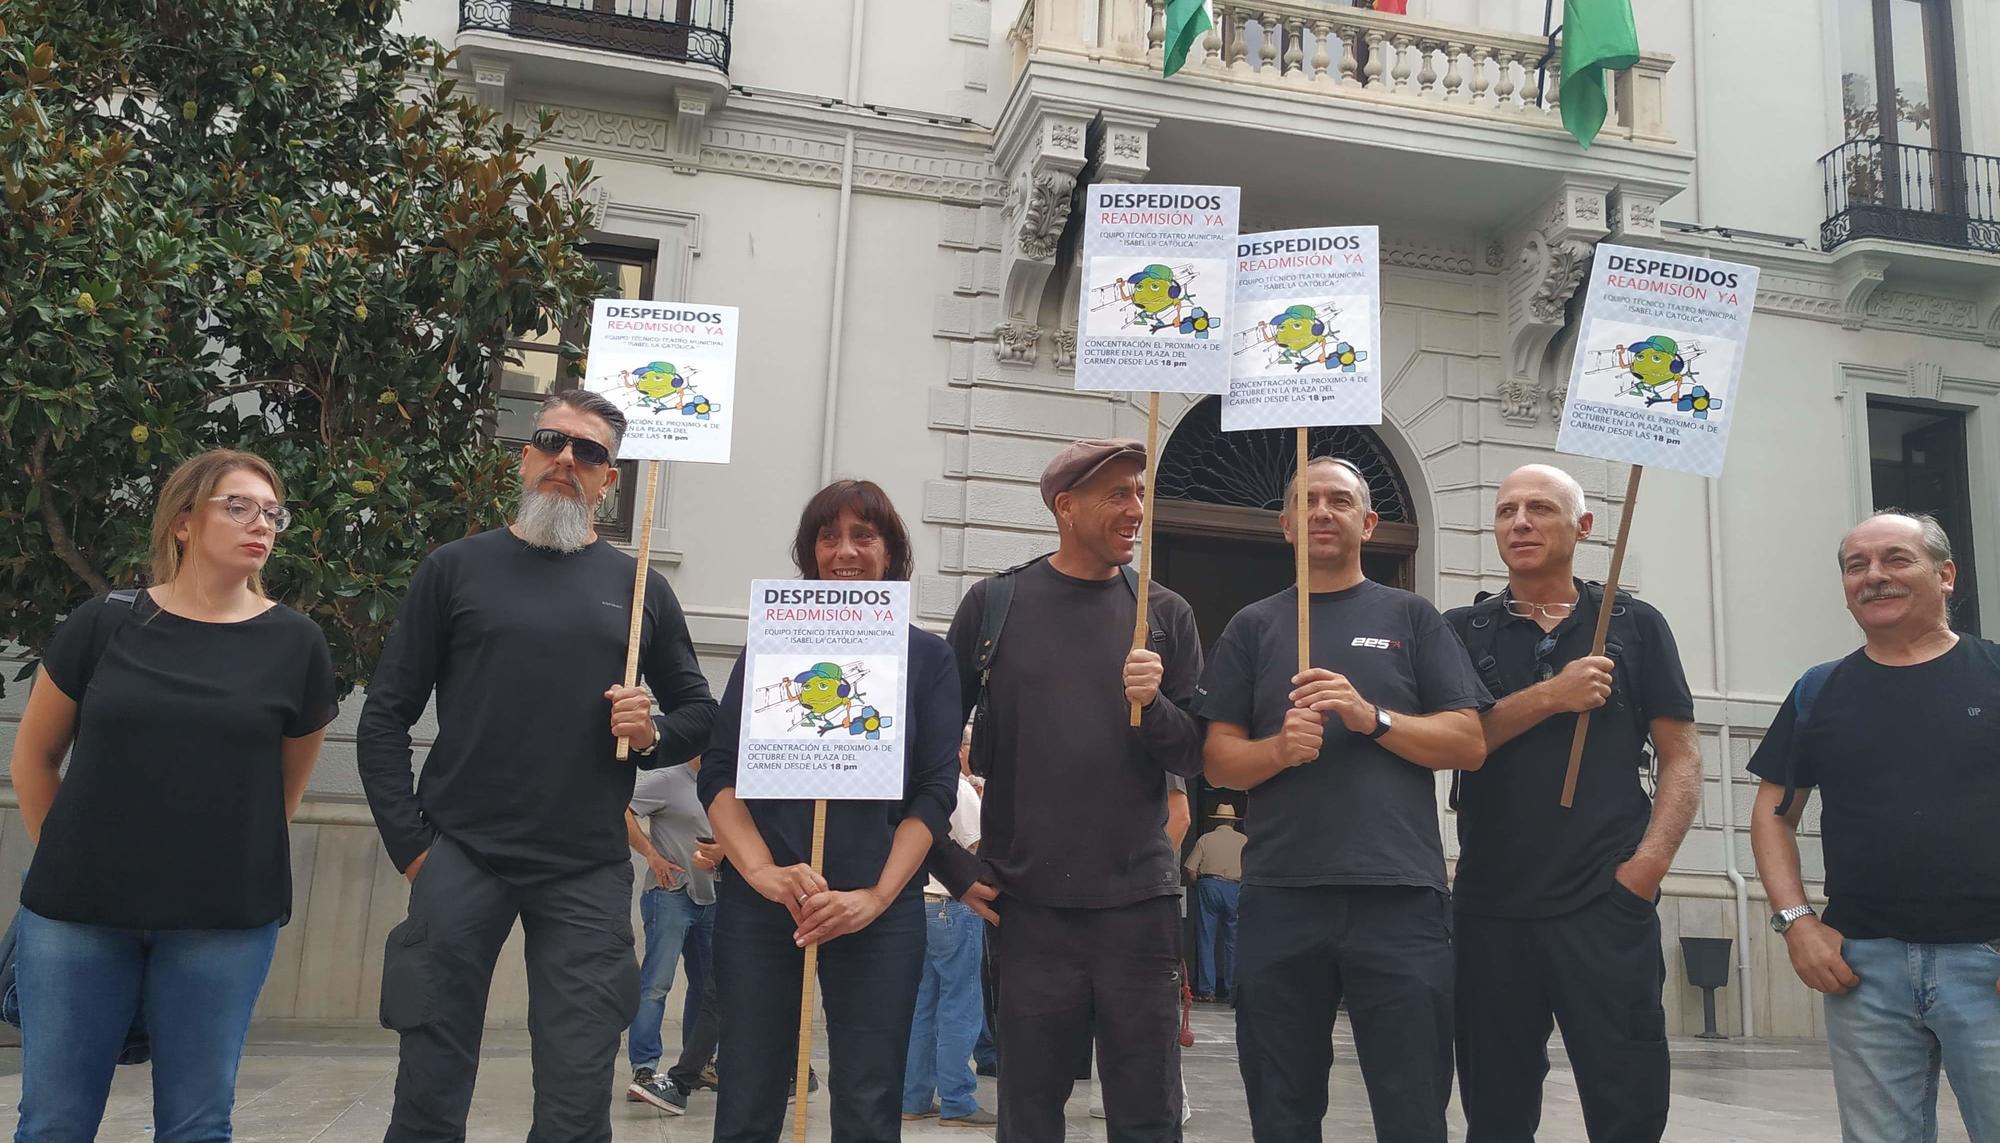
271 225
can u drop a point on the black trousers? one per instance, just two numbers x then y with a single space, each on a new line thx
698 1043
1068 973
1387 952
1597 972
868 986
583 984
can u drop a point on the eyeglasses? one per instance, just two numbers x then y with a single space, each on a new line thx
585 450
1522 609
245 511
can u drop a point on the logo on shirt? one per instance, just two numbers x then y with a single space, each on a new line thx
1378 644
612 603
1972 711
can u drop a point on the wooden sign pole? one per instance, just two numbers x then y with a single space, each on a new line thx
802 1081
1603 626
1141 628
643 564
1302 564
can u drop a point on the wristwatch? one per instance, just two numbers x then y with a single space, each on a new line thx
648 751
1783 919
1383 723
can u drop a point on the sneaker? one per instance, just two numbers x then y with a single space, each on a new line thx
708 1079
663 1093
990 1069
930 1112
979 1117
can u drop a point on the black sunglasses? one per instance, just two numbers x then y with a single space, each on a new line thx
586 451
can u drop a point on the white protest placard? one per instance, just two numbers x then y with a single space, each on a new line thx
1659 354
1305 342
671 368
825 672
1156 282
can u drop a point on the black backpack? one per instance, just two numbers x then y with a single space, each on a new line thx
138 1045
993 617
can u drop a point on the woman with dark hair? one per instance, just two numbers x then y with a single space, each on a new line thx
865 908
162 869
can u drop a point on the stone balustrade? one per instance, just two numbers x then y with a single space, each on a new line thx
1324 49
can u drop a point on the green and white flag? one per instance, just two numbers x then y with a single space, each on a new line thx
1596 34
1187 21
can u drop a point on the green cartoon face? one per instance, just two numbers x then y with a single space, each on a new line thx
1154 289
1655 361
659 380
821 690
1295 333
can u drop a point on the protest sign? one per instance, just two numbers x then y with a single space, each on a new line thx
824 676
1156 274
1659 354
1307 331
1660 350
670 367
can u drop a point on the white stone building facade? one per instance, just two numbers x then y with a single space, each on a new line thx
884 187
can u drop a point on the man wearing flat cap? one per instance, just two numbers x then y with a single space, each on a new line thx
1074 865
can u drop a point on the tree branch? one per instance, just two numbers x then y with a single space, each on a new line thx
247 386
59 538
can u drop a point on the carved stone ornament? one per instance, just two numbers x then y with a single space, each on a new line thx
1643 214
1520 401
1126 146
1065 136
1065 346
1556 269
1014 343
1044 211
1558 396
1496 255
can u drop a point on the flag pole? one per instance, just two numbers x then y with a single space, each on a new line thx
802 1079
1301 564
1141 628
1604 608
642 564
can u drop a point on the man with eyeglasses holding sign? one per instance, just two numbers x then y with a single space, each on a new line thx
521 631
1555 907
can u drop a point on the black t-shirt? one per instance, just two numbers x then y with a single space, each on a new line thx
1075 809
520 644
1358 814
859 832
1520 853
1907 764
172 812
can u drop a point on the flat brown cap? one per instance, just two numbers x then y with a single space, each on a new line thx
1080 461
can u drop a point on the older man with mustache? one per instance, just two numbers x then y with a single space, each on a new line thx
1902 741
519 814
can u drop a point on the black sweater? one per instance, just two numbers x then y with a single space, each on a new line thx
520 644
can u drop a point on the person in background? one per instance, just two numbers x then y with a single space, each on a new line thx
1216 868
1902 745
521 633
948 1017
866 908
192 713
677 912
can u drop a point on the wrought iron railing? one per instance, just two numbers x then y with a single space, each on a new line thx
1913 194
690 31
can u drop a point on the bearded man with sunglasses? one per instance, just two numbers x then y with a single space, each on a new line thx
1556 922
519 813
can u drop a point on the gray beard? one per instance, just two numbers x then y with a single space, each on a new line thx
553 521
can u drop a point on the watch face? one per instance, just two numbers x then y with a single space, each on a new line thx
1778 923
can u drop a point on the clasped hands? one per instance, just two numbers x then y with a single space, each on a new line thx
820 912
1316 693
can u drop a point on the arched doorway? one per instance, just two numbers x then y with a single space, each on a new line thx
1215 511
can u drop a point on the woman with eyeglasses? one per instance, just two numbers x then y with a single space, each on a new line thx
192 712
864 908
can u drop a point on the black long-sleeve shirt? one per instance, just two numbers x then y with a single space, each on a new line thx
520 644
1075 809
859 833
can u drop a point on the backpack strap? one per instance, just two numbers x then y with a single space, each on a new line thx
1153 632
1482 638
1805 693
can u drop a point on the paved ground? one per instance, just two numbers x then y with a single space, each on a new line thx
332 1085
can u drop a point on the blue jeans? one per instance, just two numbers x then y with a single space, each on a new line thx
81 986
1216 898
949 1013
1917 1006
675 925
